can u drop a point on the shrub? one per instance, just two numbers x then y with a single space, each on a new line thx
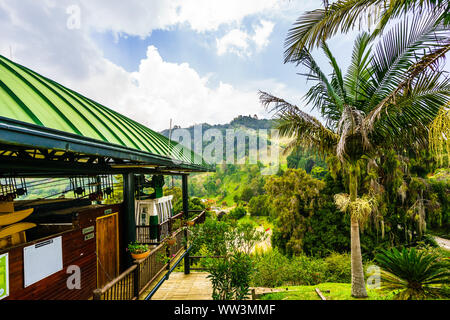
247 193
259 206
415 274
339 267
273 269
270 269
237 213
194 204
305 270
230 273
230 276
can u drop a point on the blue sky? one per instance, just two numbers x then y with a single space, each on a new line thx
191 61
199 50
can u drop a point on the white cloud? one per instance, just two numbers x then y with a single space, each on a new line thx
243 44
140 18
205 15
158 90
168 90
154 94
235 41
262 34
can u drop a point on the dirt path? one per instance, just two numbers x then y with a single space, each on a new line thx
444 243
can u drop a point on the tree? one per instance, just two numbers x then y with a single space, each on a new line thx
259 206
294 197
382 101
314 27
247 193
237 213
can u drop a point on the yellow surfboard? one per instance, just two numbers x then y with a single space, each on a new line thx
15 228
14 234
13 217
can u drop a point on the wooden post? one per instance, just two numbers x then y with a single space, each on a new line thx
184 187
129 219
137 280
320 294
158 237
97 294
168 263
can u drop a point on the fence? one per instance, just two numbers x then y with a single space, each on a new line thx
136 279
163 230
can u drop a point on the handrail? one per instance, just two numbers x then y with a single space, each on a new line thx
166 276
116 280
142 272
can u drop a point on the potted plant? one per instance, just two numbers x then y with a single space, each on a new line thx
171 240
138 251
190 223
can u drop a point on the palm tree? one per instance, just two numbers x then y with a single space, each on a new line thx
381 102
417 275
316 26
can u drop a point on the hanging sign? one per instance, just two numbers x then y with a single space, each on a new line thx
4 276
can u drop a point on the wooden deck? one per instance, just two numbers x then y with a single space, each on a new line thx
194 286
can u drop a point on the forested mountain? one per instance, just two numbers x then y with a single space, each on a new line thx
249 122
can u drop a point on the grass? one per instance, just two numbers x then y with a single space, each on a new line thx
257 221
337 291
444 253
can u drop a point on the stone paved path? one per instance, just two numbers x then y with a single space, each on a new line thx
194 286
444 243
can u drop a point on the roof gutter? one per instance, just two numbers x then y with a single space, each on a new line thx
25 134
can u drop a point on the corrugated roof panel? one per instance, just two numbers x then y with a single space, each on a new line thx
70 113
32 98
26 95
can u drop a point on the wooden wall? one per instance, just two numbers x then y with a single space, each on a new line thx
76 251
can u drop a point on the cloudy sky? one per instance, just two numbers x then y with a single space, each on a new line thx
192 61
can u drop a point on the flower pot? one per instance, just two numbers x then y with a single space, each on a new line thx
139 256
171 242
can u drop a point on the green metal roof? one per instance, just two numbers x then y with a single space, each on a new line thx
30 98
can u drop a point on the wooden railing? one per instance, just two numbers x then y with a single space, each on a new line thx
136 279
165 228
152 266
124 287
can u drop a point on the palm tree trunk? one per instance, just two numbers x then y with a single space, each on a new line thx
358 283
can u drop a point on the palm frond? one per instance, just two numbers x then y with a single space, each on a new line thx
337 73
416 274
357 78
306 129
396 57
406 120
314 27
317 75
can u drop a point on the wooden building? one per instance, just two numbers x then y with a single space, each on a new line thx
50 131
